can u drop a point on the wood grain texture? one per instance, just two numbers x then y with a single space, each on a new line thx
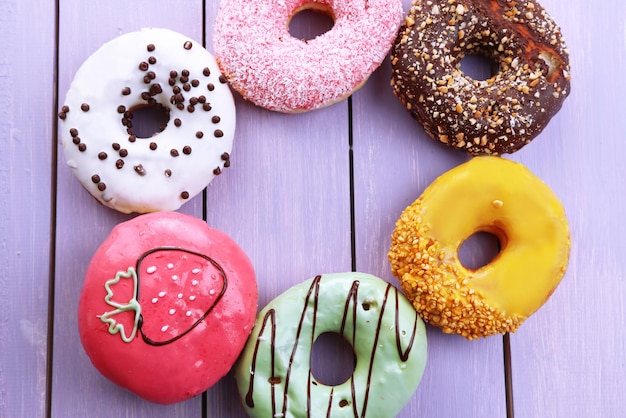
82 224
26 88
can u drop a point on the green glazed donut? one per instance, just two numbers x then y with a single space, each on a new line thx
388 338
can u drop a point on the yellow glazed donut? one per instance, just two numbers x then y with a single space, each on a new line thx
493 195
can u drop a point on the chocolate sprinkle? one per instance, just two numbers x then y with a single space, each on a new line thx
140 170
102 187
84 107
223 79
206 106
153 146
210 87
187 45
123 152
95 178
186 150
184 73
195 83
177 122
143 66
173 74
191 108
215 119
225 156
199 134
218 133
206 71
126 91
119 164
82 147
102 155
155 89
132 138
168 173
174 152
74 132
151 47
217 171
121 109
116 146
76 140
152 60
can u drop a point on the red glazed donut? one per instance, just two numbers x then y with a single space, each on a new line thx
276 71
166 306
494 116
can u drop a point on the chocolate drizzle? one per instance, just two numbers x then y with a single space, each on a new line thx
350 311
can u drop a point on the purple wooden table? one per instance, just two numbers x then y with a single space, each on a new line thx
289 202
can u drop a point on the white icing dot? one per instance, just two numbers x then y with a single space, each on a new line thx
161 294
172 311
192 297
188 313
174 277
155 300
180 296
170 266
194 282
211 292
196 271
151 269
164 328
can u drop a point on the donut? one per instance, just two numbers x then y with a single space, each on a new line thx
274 70
166 73
487 194
495 116
274 375
166 306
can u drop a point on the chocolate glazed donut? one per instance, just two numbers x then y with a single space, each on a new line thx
494 116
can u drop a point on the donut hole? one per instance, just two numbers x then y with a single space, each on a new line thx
479 65
332 359
147 121
479 249
310 21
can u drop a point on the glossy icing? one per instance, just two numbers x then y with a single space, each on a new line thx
168 72
188 292
389 340
494 195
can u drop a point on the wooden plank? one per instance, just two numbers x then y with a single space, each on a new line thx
82 224
26 79
569 359
394 161
286 200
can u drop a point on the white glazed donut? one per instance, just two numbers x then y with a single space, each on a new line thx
149 68
274 70
274 374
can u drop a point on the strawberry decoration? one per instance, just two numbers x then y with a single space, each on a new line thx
173 290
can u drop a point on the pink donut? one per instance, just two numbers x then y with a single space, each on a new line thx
277 71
